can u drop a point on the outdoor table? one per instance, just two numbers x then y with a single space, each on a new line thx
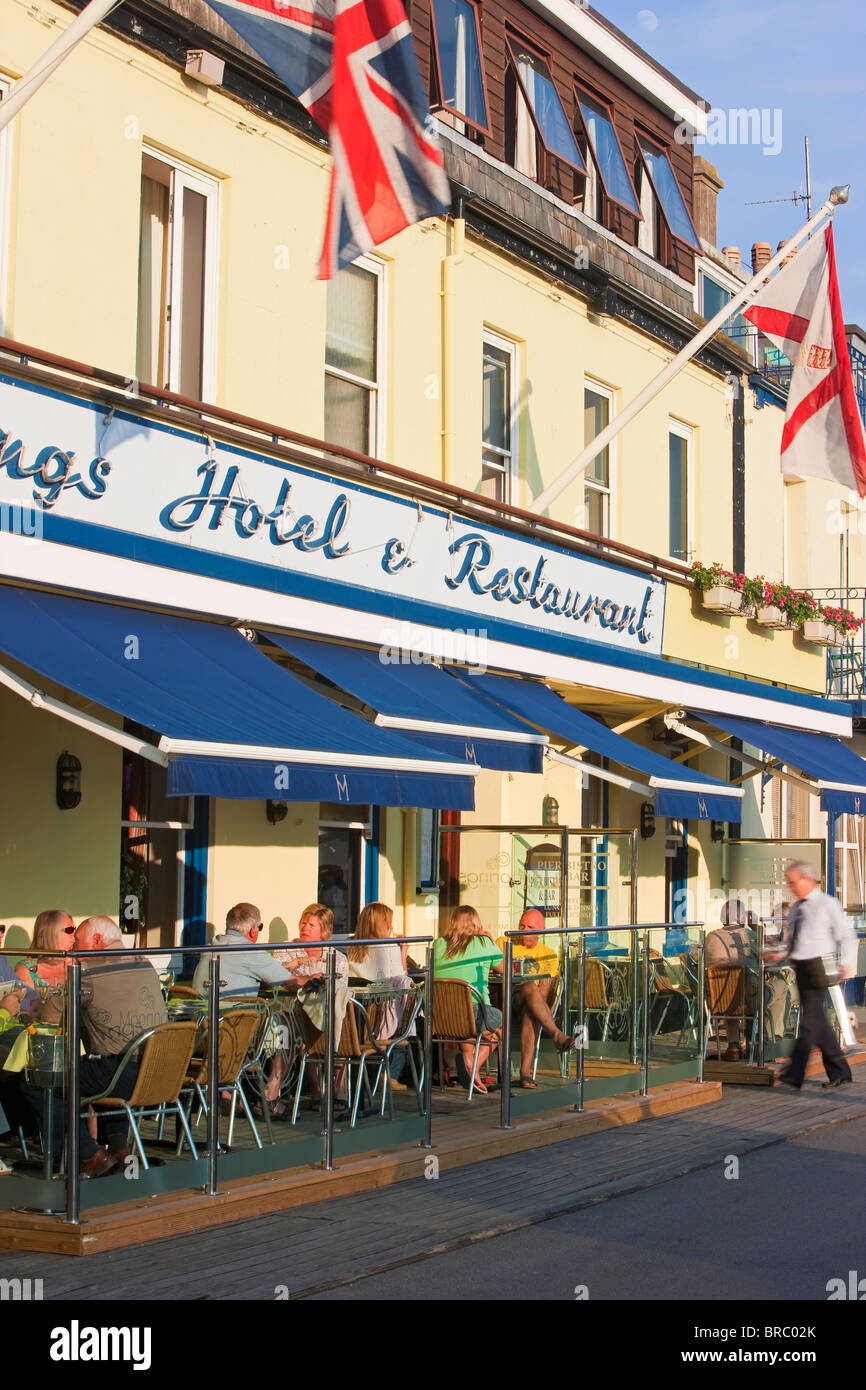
47 1081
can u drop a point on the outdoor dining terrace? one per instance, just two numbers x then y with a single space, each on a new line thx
362 1104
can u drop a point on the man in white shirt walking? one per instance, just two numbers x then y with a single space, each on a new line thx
817 931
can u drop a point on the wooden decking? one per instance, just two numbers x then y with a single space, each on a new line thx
742 1074
464 1133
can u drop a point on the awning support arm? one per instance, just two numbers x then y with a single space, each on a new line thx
37 699
602 773
757 764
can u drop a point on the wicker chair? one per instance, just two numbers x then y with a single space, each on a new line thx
165 1057
349 1052
726 1000
554 1003
238 1028
380 1050
454 1022
596 998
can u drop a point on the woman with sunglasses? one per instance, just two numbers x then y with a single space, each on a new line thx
53 930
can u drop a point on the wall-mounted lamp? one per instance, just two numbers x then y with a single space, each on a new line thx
550 811
717 830
68 788
276 811
647 820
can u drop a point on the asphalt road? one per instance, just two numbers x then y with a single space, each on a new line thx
793 1219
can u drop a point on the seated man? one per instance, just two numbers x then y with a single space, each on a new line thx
530 956
241 972
735 944
120 998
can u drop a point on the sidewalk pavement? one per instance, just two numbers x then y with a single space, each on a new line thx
299 1252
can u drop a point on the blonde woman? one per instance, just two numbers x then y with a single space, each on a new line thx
53 930
376 922
306 965
466 951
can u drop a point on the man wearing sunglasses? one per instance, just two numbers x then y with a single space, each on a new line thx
241 971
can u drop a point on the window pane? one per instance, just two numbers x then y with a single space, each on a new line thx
646 230
607 153
152 282
596 416
192 293
597 511
496 398
668 190
495 481
547 108
714 297
679 498
347 414
351 324
460 78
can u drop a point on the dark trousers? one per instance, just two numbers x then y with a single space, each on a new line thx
815 1029
112 1126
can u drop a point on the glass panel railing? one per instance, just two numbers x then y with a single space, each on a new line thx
674 1035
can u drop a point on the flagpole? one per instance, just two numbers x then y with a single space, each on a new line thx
693 346
29 84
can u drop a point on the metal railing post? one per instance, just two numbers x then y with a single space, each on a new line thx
73 1100
761 1005
428 1051
581 1023
505 1046
635 1007
330 1048
702 971
645 1028
213 1068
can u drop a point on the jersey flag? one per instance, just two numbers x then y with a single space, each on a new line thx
352 65
800 310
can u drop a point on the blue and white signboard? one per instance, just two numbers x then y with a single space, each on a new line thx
124 485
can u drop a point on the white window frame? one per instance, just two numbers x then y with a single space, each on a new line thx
509 346
686 432
590 384
5 202
182 176
376 442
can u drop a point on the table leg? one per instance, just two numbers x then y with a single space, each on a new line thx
48 1134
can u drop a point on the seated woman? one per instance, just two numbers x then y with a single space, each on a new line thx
53 930
466 951
381 964
307 965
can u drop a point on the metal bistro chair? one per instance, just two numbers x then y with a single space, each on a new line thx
726 1000
370 1009
554 1003
165 1057
238 1029
454 1022
598 994
349 1052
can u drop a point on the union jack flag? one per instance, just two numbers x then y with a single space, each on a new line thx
352 65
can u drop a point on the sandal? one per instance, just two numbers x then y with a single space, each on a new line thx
527 1083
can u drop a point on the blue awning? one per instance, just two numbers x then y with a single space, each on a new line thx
678 791
839 773
232 722
424 703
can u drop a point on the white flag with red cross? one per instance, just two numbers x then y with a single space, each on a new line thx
800 310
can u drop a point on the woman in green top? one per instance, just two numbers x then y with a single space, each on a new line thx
465 951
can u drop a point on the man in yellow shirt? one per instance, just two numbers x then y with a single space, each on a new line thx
530 956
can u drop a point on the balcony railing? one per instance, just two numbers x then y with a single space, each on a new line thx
845 665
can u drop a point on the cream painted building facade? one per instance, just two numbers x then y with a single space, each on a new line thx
129 186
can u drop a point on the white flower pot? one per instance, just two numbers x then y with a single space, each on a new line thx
771 616
721 600
822 634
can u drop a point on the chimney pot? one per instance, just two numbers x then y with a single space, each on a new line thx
732 253
761 253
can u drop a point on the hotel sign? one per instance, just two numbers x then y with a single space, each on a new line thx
156 492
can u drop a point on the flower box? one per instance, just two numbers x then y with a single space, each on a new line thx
822 634
722 600
771 616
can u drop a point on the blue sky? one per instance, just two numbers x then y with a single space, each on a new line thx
807 61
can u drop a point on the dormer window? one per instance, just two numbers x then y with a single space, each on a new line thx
671 202
536 111
458 64
605 153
